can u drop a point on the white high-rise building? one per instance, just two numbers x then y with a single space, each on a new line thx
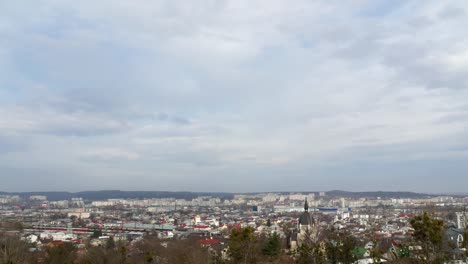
461 219
38 197
297 197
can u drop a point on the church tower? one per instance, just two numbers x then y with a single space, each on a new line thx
306 220
307 229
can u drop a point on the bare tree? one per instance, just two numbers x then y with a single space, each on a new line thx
12 249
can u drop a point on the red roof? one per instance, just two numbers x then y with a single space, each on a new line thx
200 226
209 241
404 216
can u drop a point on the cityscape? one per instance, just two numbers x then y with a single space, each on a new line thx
233 132
311 227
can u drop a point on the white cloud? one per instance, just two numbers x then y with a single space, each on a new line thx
215 88
21 120
108 154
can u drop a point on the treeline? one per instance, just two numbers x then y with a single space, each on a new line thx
244 247
381 194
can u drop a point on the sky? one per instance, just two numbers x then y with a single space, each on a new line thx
234 95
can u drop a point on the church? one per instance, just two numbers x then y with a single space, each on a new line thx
306 229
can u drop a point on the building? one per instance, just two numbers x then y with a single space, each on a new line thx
306 229
461 220
38 198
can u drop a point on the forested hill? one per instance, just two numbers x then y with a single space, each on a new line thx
381 194
113 194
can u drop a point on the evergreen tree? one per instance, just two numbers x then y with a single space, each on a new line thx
346 250
96 233
340 247
429 231
272 246
243 245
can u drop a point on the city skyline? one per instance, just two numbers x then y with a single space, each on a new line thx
234 96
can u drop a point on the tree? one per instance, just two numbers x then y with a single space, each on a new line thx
110 244
96 233
11 226
242 246
61 254
304 254
465 238
122 250
99 255
272 247
12 249
332 250
341 247
311 250
180 251
346 249
311 253
376 252
429 232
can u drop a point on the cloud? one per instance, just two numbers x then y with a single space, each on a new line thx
107 154
232 92
10 143
20 120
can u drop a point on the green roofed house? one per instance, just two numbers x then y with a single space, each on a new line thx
361 252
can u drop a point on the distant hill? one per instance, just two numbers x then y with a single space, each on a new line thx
381 194
113 194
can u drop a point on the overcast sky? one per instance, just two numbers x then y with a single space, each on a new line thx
238 95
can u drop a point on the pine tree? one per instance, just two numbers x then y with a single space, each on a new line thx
272 247
243 245
429 232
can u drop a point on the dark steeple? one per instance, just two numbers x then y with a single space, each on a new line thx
306 218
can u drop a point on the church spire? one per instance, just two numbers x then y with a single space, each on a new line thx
306 205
